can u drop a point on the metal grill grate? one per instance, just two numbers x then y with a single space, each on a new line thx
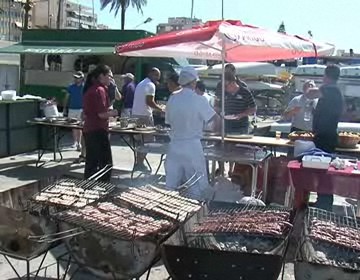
241 208
62 193
327 216
168 204
130 224
84 184
339 231
257 221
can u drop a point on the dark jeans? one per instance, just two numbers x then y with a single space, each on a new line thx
98 153
327 144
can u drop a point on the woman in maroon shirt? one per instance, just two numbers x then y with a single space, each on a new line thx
96 121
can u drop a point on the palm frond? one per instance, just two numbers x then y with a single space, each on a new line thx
117 5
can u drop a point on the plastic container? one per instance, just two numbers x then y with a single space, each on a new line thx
51 111
318 162
8 95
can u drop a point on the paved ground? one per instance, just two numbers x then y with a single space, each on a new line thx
20 170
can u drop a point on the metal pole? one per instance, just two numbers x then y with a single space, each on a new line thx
79 15
223 91
9 11
222 9
93 15
49 21
192 9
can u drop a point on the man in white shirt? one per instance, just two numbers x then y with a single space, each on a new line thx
200 89
143 106
297 107
186 112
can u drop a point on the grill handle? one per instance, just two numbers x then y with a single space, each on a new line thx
100 173
54 237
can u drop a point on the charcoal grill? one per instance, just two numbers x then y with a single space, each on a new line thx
115 254
17 224
194 255
63 188
319 257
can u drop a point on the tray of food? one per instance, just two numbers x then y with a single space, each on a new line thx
162 129
301 135
348 139
128 127
143 127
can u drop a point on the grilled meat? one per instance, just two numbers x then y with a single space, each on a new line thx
259 222
331 232
166 203
109 218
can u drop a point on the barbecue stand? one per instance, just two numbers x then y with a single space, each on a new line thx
183 260
14 243
114 254
322 260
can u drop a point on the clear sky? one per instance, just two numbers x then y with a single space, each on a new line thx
331 21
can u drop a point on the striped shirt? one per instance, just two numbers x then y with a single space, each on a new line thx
235 104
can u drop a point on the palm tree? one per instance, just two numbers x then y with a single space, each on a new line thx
122 5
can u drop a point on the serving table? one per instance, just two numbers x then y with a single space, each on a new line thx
344 183
57 133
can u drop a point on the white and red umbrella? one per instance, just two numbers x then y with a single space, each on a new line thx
230 41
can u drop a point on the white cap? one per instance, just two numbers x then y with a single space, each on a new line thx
187 75
128 75
310 82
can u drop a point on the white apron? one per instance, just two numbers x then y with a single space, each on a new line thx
183 160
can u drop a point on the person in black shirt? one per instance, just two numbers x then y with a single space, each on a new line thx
229 68
239 103
325 121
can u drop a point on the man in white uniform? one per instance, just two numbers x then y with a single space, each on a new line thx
186 113
143 106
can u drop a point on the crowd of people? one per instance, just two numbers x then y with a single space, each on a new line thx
190 110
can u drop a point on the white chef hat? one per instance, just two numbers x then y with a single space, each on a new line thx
187 75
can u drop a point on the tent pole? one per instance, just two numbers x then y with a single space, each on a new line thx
222 9
223 92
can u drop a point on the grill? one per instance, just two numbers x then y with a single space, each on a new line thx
225 241
17 224
118 222
165 203
73 193
121 237
329 241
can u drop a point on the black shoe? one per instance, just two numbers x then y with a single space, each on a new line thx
80 159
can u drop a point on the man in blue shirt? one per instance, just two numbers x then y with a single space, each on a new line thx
74 100
128 91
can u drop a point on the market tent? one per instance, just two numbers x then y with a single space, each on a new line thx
228 41
72 41
53 49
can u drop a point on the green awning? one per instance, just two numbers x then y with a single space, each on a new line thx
43 49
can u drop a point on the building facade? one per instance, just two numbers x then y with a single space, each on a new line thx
72 15
11 20
77 16
177 23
